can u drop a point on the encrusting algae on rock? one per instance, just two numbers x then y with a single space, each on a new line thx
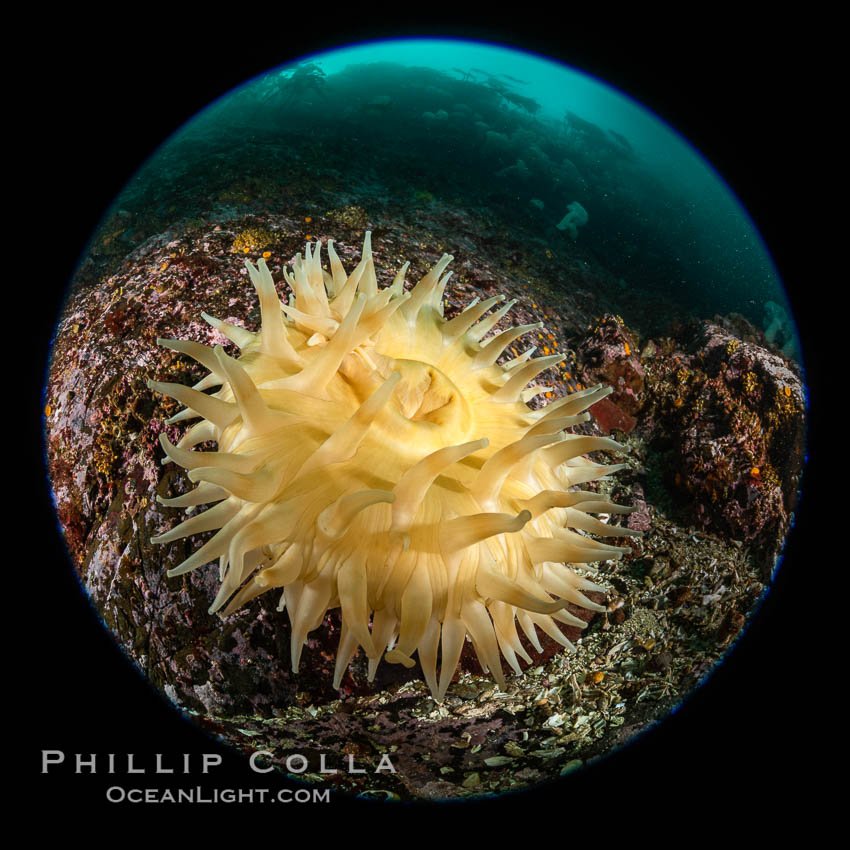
374 456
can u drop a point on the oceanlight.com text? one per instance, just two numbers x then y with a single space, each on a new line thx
118 794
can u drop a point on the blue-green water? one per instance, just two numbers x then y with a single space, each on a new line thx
493 127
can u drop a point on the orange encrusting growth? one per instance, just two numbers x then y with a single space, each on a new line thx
373 456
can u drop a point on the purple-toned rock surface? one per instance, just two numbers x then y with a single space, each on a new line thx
731 417
104 456
103 426
609 355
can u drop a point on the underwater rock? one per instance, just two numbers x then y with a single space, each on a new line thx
570 175
102 439
730 415
496 144
518 171
439 115
608 354
378 105
610 418
103 432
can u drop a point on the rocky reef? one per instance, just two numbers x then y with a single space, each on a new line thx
726 417
714 420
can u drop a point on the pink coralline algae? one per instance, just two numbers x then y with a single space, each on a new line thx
104 429
608 353
730 417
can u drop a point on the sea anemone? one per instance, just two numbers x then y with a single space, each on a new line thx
373 456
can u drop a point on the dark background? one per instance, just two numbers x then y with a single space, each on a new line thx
98 103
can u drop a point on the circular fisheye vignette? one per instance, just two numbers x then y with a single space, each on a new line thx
431 395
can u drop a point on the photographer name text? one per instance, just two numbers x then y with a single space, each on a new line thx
188 763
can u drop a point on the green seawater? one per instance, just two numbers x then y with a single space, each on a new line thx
491 127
